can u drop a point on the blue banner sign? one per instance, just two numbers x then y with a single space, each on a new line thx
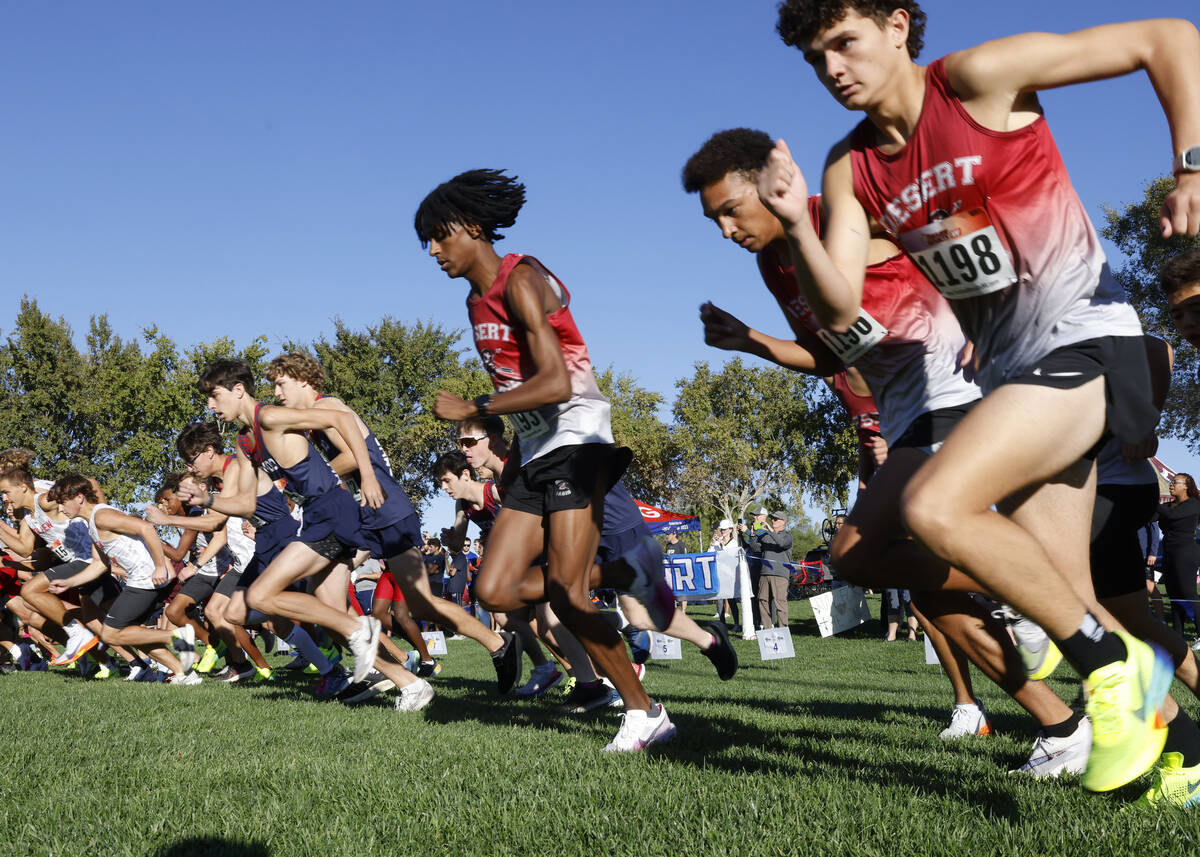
692 575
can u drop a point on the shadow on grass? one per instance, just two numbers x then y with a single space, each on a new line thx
202 846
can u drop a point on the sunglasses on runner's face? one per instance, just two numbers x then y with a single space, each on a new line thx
468 442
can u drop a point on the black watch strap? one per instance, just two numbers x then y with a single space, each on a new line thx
483 404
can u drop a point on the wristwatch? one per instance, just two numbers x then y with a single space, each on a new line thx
482 403
1187 161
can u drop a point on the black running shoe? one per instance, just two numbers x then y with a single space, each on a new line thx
586 696
507 661
374 684
428 669
721 652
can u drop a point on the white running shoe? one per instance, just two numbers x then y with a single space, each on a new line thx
188 679
364 644
1054 756
135 672
79 641
183 641
639 729
415 696
967 720
649 587
540 680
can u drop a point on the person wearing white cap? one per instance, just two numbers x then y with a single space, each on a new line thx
724 544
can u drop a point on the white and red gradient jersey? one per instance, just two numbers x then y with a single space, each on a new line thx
991 218
912 368
586 416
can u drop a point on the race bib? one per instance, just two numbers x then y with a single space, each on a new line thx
862 336
61 551
961 255
528 424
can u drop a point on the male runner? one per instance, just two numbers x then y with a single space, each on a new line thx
244 487
393 530
907 346
274 439
957 164
134 544
67 541
539 365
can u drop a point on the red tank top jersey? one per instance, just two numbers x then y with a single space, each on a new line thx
585 417
991 218
912 367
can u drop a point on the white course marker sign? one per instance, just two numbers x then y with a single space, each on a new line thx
435 641
775 644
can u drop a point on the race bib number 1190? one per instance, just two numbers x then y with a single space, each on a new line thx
961 255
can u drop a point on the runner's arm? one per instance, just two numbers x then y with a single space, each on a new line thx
805 353
178 552
209 523
453 535
343 462
237 498
303 419
93 570
830 274
1168 50
21 541
119 522
218 540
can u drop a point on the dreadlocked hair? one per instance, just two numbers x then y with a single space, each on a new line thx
486 199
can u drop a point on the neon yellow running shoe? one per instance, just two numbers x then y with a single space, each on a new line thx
1037 650
208 661
1125 707
102 671
1173 783
264 674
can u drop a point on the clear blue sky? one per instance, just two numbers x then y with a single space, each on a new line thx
239 169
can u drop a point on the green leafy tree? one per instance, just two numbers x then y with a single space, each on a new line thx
637 425
1135 230
748 433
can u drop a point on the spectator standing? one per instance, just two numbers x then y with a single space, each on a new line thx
746 537
775 548
1181 555
727 548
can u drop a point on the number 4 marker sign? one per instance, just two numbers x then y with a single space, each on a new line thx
775 643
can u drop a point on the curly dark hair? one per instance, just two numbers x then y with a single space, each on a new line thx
487 199
736 150
1183 270
801 20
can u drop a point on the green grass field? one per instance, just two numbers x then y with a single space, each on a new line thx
835 752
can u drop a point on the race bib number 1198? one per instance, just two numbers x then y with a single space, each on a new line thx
961 255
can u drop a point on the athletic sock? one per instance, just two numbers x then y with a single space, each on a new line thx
1064 729
303 643
1091 647
1184 738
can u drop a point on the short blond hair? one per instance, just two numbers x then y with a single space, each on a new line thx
298 366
